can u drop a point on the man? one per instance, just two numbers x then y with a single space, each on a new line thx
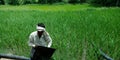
39 38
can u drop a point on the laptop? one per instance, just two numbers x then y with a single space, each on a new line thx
44 51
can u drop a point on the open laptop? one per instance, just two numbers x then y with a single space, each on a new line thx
44 51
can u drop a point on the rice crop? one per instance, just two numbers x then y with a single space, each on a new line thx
70 30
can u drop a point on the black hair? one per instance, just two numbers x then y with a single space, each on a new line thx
41 25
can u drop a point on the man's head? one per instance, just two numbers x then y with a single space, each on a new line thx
40 27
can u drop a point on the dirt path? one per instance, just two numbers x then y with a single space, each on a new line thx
84 50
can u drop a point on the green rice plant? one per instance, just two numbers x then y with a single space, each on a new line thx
69 30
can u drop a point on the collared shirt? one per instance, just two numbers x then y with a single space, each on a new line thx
45 40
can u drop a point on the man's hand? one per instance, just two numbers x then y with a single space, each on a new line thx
33 45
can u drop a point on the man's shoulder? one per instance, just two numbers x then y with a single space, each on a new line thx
46 33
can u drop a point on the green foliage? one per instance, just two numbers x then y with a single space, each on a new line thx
64 7
21 2
2 2
49 1
106 2
94 2
65 1
68 27
43 1
6 1
76 1
73 1
35 1
14 2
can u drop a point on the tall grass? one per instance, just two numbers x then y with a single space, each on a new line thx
56 7
68 29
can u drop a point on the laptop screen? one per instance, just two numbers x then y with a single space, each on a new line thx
44 51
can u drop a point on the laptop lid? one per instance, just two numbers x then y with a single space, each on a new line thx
44 51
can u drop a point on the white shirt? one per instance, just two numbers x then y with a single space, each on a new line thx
45 40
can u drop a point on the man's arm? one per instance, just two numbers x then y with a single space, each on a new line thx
31 41
48 39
